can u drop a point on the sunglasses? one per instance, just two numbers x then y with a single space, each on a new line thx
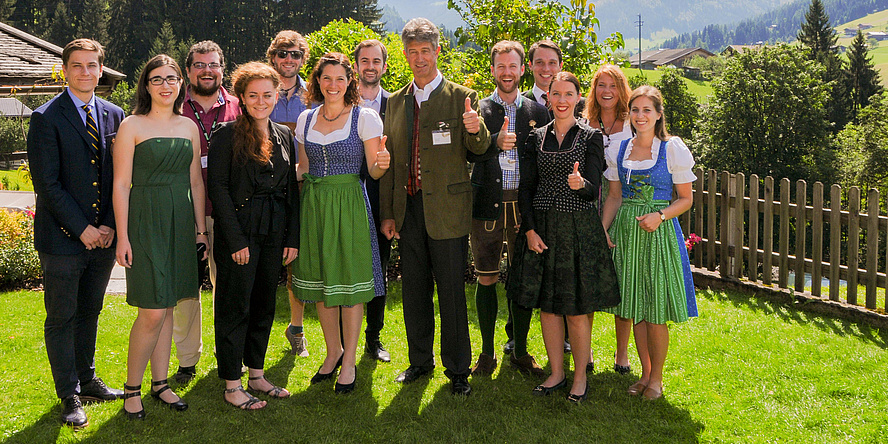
295 54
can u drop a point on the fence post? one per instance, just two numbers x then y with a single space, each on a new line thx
711 234
835 236
872 246
801 230
817 240
853 242
783 264
768 226
699 209
738 225
752 264
724 232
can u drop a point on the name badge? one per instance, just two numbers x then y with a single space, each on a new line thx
507 164
203 161
441 137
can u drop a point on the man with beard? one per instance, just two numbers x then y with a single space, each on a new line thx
495 217
370 63
287 53
209 105
544 60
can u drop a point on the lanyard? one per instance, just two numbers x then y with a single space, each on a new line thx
203 129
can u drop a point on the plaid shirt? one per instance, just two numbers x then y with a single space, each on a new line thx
510 176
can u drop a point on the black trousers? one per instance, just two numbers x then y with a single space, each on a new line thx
425 263
376 306
244 303
74 291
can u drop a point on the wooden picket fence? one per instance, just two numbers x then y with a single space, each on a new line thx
754 230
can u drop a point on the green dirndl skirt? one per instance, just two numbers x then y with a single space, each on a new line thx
335 264
650 266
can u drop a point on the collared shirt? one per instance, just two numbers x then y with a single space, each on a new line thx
287 110
376 103
421 95
538 93
509 159
79 104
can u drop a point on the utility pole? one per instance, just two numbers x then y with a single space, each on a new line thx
639 23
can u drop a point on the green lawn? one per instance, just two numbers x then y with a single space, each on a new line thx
15 180
699 88
744 371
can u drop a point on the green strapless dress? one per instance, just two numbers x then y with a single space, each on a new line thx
161 225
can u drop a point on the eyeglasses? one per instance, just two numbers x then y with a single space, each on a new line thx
202 65
295 54
158 80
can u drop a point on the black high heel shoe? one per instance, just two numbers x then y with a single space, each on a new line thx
178 406
542 390
342 389
137 393
321 377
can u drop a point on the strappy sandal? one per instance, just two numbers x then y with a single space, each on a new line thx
178 405
136 394
274 391
246 405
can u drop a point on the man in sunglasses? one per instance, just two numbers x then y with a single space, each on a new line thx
287 53
209 105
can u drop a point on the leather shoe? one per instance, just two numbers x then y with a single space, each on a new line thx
185 374
375 350
413 373
96 391
321 377
509 347
341 389
577 399
459 385
542 390
485 366
179 405
72 412
527 365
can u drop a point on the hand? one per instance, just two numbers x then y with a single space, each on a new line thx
290 254
470 118
387 228
649 222
203 239
506 140
574 180
91 237
242 256
107 236
610 243
534 242
124 253
383 157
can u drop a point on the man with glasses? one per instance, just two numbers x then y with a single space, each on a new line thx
287 53
209 105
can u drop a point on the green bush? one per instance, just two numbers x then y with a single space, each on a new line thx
19 264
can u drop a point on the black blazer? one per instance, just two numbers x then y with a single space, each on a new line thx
578 111
231 187
487 175
73 181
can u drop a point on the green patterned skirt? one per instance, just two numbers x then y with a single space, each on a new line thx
650 266
574 276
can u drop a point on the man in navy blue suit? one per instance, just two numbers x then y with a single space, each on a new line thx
69 152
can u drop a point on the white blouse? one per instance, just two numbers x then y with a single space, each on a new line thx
679 160
369 126
616 138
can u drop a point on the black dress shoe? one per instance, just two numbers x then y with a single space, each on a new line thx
342 389
542 390
459 385
321 377
178 405
72 412
413 373
509 347
375 350
577 399
96 391
185 374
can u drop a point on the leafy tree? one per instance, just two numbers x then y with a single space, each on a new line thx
710 67
767 116
680 107
863 146
638 80
12 137
818 35
862 76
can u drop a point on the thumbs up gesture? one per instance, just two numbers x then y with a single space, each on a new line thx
574 180
383 157
470 118
506 140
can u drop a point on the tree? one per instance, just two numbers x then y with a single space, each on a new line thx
680 107
167 43
818 35
863 79
863 147
61 29
767 116
94 23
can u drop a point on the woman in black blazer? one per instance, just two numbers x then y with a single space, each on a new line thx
252 184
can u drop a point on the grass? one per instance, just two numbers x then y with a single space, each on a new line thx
744 371
15 180
699 88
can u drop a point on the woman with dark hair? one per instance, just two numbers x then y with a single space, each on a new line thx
607 109
649 249
252 183
159 210
562 264
339 267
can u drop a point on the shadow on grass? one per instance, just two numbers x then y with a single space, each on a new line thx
796 314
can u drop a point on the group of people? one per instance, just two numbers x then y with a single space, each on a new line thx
319 176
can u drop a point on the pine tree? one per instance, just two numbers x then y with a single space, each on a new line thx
94 22
817 33
863 79
61 29
820 38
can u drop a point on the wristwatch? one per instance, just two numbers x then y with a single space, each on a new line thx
662 216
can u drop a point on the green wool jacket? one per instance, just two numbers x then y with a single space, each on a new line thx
446 188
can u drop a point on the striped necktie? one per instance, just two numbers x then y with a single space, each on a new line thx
92 128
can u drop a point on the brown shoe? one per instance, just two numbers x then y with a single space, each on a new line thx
527 365
485 366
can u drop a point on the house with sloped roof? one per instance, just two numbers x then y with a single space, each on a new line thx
656 58
30 65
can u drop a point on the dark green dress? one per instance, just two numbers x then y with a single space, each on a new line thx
161 225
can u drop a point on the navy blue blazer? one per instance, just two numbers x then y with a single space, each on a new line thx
73 181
